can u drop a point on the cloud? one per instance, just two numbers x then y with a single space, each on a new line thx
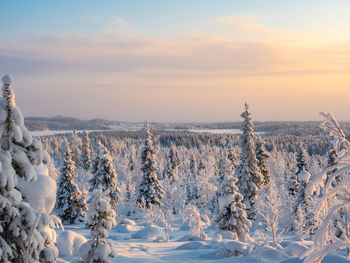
194 77
118 26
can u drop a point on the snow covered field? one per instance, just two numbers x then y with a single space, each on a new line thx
145 249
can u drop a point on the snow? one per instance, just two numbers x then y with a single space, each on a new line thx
69 242
41 194
194 245
295 249
150 232
7 79
144 249
304 176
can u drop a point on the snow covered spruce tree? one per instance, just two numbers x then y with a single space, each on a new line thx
269 207
105 174
335 198
86 152
250 179
262 156
192 191
70 204
332 161
232 156
26 233
293 182
230 212
173 163
149 190
101 218
195 223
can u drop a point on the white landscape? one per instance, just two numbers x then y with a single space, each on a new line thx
187 131
182 196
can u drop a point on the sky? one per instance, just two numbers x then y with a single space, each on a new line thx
178 61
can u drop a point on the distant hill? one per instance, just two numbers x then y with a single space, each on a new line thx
66 123
270 128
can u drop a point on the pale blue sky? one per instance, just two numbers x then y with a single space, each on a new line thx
160 17
184 60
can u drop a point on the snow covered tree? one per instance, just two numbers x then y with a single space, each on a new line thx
69 203
24 231
230 212
149 189
101 218
332 161
86 152
193 183
262 156
304 202
105 174
293 185
173 162
232 156
301 160
269 205
195 223
250 179
293 182
129 174
335 198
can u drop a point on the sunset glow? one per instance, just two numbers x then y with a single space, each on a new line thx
182 61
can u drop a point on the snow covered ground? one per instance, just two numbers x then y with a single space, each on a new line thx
136 243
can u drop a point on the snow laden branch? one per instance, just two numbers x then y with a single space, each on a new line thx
333 207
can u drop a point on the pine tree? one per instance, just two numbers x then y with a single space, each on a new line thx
303 199
23 230
131 168
173 163
250 179
69 204
101 218
149 189
230 212
232 156
262 156
195 222
332 161
301 160
86 152
105 175
193 184
293 185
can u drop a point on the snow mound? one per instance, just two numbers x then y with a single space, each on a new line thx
40 194
121 228
149 232
232 249
217 238
335 259
195 245
270 254
126 221
227 234
295 249
69 242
